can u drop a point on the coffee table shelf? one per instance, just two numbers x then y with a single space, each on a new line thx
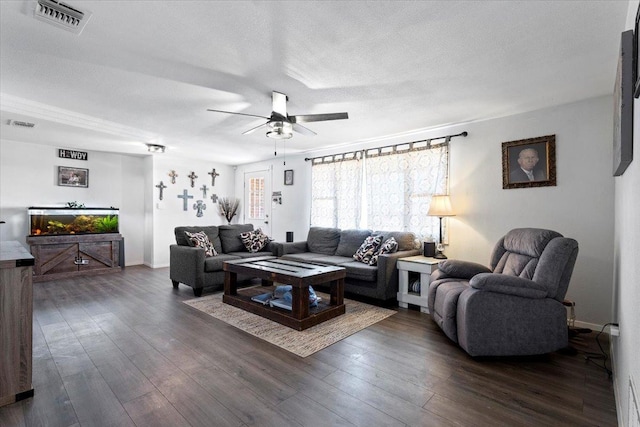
297 274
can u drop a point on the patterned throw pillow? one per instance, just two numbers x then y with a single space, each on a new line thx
201 240
254 240
367 249
389 246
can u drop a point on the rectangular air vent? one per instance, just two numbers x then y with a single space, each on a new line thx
62 15
20 123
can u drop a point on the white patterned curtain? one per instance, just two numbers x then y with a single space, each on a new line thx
399 186
336 193
387 190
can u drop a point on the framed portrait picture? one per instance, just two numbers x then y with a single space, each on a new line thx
288 177
73 177
529 162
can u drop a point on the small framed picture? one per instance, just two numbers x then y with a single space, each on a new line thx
73 177
288 177
529 162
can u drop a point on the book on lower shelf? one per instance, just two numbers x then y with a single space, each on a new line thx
285 303
280 303
262 298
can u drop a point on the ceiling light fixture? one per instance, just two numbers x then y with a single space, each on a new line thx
280 130
156 148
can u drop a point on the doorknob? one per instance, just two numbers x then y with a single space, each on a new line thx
266 222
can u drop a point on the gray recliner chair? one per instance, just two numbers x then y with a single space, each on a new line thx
514 307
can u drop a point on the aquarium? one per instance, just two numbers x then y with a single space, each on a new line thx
61 221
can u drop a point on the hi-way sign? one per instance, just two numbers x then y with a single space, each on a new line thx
71 154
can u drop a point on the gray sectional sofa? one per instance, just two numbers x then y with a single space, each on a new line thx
188 264
332 246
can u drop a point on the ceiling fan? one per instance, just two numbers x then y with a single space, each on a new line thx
281 125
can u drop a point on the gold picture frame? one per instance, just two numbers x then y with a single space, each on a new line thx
529 162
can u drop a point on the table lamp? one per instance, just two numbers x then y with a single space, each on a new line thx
440 206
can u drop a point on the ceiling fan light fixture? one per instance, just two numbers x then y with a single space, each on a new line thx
156 148
280 130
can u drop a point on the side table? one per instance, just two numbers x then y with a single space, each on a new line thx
416 264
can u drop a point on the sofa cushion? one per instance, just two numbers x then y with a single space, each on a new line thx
406 239
359 271
230 237
211 231
350 241
333 260
388 247
251 254
213 264
302 257
201 240
323 240
254 240
368 248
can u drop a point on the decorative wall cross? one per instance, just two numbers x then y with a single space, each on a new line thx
213 174
161 186
173 176
214 198
199 207
185 198
192 177
204 189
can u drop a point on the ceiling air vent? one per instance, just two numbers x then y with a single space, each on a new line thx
20 123
62 15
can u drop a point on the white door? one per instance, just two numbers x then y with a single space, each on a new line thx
257 200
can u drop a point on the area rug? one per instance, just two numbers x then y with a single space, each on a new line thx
302 343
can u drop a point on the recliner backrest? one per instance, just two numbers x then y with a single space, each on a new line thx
544 256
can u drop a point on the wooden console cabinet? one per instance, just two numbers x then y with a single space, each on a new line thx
58 257
16 323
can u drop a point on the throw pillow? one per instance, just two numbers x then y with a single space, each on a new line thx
201 240
389 246
367 249
254 240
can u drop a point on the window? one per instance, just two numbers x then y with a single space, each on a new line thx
381 189
256 198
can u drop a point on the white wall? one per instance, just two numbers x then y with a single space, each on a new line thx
167 214
626 362
28 177
580 206
293 213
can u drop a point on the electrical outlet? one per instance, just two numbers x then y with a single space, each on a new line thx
614 330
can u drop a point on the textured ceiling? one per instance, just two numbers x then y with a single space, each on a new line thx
146 71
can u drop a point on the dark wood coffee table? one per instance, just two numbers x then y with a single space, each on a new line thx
297 274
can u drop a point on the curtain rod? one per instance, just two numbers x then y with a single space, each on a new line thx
447 138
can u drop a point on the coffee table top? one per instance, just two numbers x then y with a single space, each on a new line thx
278 266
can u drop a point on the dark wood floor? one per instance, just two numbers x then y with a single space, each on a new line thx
121 349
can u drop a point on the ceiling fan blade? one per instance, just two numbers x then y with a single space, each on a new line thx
303 130
239 114
279 101
318 117
254 129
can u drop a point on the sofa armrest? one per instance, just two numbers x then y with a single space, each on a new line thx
283 248
509 285
272 248
186 265
388 272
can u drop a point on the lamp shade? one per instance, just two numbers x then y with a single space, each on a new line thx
440 206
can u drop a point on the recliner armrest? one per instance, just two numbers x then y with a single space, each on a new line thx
460 269
510 285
